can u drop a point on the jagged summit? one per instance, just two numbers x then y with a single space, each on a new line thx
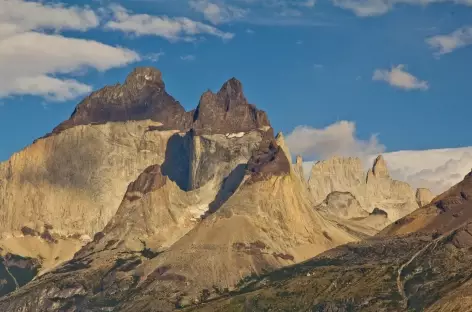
141 97
143 75
232 93
423 196
379 169
227 111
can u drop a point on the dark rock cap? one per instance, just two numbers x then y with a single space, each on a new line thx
149 180
269 160
143 96
227 111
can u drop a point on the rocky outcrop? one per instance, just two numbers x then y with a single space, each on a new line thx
423 196
346 211
154 213
343 205
374 189
335 174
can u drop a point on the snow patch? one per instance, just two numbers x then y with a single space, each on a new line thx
235 135
198 211
85 238
147 77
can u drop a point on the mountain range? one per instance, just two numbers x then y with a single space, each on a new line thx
135 203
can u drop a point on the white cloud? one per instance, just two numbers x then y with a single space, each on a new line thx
337 139
19 15
217 13
459 38
48 87
399 78
173 29
364 8
30 61
318 66
250 31
188 58
437 169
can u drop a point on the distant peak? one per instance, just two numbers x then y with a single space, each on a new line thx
280 137
144 74
232 93
379 169
232 85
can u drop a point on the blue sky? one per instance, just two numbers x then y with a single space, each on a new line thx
398 69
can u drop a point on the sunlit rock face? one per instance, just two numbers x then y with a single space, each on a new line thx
374 189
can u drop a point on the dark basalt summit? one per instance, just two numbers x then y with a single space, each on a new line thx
227 111
269 160
143 96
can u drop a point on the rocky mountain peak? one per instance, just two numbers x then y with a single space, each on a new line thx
379 169
144 75
227 111
141 97
231 93
423 196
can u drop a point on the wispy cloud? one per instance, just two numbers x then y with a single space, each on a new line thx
172 29
308 3
364 8
218 13
154 57
260 12
188 58
399 78
445 44
318 66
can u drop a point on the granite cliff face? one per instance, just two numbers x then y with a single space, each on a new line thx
374 189
157 251
180 205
